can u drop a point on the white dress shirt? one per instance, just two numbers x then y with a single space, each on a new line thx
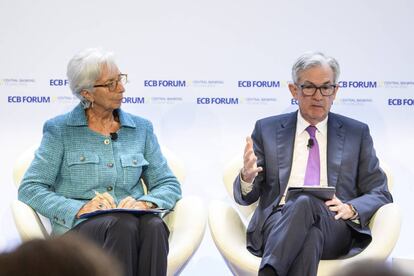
300 156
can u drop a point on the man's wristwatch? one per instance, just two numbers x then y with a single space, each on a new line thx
149 204
353 210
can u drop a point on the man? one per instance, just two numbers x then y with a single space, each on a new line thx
310 147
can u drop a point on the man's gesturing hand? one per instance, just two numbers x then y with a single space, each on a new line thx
250 168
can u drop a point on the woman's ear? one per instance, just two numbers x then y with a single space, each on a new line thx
87 95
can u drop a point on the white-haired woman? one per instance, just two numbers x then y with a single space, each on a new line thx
93 158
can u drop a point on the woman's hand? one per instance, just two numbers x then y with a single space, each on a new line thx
131 203
99 202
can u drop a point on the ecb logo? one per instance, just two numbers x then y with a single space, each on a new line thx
259 84
401 102
58 82
28 99
164 83
358 84
217 100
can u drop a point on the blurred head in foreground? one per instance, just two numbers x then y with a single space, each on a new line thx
370 268
63 256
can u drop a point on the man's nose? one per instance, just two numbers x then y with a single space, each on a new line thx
318 94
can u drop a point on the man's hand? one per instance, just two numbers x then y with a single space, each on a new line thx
250 168
99 202
343 211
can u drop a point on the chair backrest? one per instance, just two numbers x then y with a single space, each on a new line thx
22 164
234 167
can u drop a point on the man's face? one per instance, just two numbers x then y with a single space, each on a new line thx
315 108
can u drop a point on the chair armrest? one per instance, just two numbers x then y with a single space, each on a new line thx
187 225
229 235
385 228
27 222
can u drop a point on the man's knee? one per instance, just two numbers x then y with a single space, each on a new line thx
303 202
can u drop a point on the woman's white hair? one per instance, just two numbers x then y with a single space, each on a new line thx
85 68
314 59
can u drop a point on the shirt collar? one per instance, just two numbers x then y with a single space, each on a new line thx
77 117
302 124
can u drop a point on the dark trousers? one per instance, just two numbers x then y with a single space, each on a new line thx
300 234
140 243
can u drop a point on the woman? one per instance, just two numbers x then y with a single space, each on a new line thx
93 158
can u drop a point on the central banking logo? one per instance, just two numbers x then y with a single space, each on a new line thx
206 83
16 81
165 83
397 84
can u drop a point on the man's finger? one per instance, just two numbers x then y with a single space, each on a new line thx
249 144
248 154
251 163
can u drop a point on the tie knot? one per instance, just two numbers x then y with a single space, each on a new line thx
311 130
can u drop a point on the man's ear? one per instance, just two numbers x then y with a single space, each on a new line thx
334 94
293 90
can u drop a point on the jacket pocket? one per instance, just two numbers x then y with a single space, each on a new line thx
83 168
132 166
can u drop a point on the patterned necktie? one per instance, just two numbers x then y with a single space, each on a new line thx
312 175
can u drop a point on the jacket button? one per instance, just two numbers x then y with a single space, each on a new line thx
82 158
110 165
109 188
134 162
106 142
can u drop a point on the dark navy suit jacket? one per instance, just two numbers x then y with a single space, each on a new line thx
353 168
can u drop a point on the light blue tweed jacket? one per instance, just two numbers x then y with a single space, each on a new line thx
73 161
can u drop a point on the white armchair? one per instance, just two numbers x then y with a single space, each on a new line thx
186 224
227 222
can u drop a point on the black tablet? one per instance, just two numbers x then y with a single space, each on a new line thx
324 193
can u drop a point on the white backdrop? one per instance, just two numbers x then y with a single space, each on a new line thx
212 48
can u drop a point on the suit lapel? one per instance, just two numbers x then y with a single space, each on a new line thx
285 139
335 147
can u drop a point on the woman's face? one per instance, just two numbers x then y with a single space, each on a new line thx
109 93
